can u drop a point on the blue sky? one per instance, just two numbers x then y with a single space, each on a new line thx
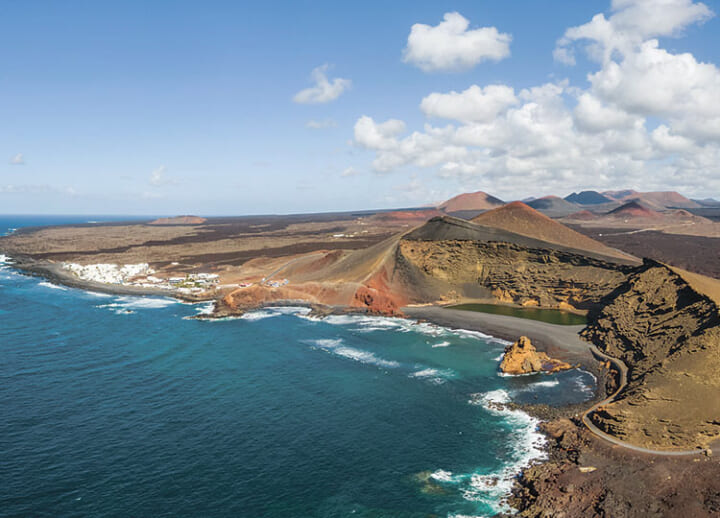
187 107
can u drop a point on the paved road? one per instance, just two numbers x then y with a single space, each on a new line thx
623 382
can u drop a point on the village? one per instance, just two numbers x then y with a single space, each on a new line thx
144 276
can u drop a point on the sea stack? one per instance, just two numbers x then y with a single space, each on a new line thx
522 358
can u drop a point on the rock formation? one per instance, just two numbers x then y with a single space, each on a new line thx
522 358
667 330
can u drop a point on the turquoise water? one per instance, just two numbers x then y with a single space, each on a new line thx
122 406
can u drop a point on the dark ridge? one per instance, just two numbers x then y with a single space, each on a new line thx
587 198
446 228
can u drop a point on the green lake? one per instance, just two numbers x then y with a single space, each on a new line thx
551 316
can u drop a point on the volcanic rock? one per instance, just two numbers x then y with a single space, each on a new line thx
522 358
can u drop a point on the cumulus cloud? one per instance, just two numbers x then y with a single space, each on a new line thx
452 46
325 90
474 104
321 124
631 23
648 117
17 159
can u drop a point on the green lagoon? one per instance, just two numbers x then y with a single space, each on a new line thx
550 316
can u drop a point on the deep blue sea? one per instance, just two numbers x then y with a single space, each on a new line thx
122 406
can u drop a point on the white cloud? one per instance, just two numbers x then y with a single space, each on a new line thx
158 177
451 46
593 116
648 118
321 124
17 159
474 104
653 81
377 136
325 90
671 143
632 22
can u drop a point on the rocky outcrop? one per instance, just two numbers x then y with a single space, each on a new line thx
522 358
589 478
507 272
668 334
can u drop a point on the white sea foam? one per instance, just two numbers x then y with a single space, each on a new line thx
98 294
206 308
126 304
436 376
260 314
46 284
290 310
270 312
442 476
548 383
441 344
4 259
527 447
337 347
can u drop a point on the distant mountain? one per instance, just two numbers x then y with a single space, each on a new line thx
707 202
620 195
587 198
667 200
522 219
553 206
658 200
471 201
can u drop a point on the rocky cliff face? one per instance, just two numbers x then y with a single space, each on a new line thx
508 273
522 358
669 336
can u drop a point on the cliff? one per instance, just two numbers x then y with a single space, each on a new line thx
668 334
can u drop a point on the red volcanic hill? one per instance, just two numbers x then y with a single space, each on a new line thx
634 210
583 215
521 219
471 201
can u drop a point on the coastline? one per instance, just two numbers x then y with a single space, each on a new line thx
559 341
55 273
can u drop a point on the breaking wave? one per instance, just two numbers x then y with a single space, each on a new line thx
491 488
337 347
46 284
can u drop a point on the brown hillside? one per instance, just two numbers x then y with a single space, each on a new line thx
664 324
521 219
471 201
179 220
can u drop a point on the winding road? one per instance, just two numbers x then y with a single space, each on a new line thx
622 368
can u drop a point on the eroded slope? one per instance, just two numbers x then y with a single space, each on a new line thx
668 333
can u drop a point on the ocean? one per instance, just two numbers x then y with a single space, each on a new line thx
125 406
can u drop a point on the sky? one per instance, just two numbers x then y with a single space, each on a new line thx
226 107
